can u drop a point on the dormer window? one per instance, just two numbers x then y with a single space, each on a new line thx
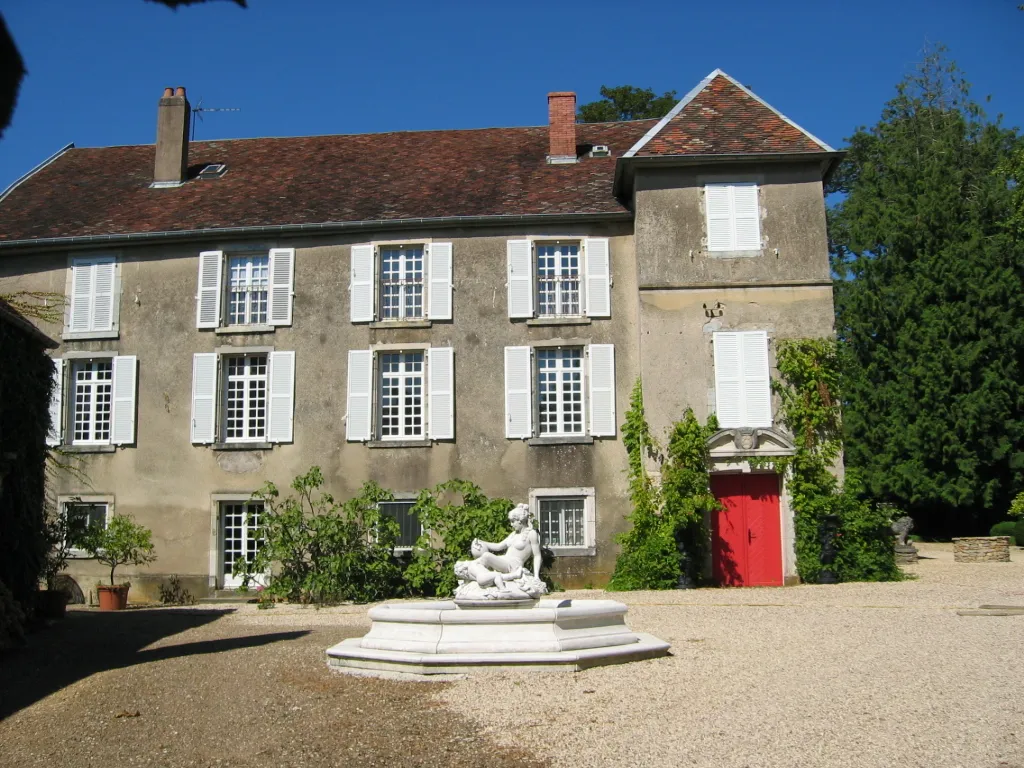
213 171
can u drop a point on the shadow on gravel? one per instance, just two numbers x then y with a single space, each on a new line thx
87 642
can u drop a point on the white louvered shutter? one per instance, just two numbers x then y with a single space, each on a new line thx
103 295
81 296
518 387
211 264
602 390
439 269
441 382
360 285
598 264
360 395
282 397
122 417
53 435
746 221
757 393
204 397
282 281
729 404
520 278
718 204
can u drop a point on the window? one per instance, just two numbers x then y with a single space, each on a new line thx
733 217
559 279
240 537
742 383
409 525
566 519
396 282
554 392
80 516
257 291
93 401
243 397
399 395
94 297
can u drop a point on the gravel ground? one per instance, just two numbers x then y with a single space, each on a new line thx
848 675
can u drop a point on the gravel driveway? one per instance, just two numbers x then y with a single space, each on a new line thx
847 675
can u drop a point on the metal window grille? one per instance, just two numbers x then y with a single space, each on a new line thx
248 279
561 522
245 392
240 534
409 525
560 391
92 401
401 282
81 517
401 396
558 280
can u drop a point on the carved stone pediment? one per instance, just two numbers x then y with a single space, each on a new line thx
749 441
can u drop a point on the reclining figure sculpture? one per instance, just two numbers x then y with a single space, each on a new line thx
493 576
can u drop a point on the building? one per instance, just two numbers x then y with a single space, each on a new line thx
412 307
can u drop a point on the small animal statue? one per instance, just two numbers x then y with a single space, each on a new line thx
902 528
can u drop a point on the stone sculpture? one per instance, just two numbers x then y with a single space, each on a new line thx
906 553
493 576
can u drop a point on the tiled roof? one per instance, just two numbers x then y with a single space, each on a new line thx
319 179
723 118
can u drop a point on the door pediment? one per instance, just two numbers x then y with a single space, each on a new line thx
749 442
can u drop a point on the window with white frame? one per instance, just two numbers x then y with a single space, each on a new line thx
92 402
566 519
397 395
733 217
743 396
562 278
81 515
396 282
560 391
409 526
240 537
243 397
93 298
236 290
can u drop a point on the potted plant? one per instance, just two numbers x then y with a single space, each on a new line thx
121 542
61 534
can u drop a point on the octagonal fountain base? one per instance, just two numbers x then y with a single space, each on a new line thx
445 637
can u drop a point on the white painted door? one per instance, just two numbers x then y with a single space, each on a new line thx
239 523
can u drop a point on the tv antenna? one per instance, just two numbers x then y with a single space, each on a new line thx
198 110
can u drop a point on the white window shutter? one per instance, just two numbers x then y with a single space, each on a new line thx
360 285
122 418
757 392
282 397
718 204
282 281
441 377
359 423
746 219
103 295
518 389
81 295
520 278
602 390
598 264
56 430
729 403
211 265
204 397
439 269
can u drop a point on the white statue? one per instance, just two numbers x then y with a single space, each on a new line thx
503 577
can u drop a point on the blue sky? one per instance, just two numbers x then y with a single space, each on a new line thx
97 69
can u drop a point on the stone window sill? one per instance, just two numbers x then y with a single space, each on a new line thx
573 551
88 448
533 321
734 254
89 335
562 440
398 444
228 330
382 324
242 446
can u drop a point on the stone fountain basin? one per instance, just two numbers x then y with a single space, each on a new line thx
449 637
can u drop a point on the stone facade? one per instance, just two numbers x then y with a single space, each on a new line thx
982 549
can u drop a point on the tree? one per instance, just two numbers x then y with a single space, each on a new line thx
626 102
930 305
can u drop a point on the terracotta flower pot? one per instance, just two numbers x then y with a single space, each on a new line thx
113 597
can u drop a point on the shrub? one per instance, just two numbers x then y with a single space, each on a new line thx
172 592
865 550
12 621
1017 506
1018 533
121 542
1006 528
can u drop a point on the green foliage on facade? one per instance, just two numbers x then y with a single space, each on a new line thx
626 102
928 244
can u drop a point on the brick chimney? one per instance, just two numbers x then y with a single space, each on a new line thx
562 127
172 118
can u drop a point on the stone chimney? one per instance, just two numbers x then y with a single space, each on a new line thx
171 166
562 127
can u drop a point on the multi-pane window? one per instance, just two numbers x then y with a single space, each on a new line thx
248 284
409 526
558 279
240 536
93 388
245 398
401 395
401 282
560 391
80 517
562 522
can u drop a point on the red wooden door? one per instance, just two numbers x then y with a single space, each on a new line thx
746 537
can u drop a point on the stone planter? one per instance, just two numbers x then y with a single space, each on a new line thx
982 549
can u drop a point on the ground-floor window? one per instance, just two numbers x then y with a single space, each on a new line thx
79 517
240 539
409 525
566 519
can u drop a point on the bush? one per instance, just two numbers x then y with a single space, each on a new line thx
1018 533
1017 506
1006 528
12 621
866 546
173 592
